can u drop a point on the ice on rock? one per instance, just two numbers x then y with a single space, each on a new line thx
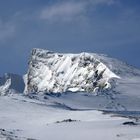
56 72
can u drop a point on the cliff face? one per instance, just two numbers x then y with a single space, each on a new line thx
55 72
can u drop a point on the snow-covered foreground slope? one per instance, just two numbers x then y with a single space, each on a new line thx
23 118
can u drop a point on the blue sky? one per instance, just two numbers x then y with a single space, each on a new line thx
111 27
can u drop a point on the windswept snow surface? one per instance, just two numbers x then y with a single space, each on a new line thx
28 118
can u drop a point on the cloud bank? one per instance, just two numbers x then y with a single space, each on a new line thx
64 11
101 26
70 10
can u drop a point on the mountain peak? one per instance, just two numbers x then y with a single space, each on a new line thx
59 72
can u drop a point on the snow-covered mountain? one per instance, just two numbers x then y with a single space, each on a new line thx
115 83
55 72
73 114
11 83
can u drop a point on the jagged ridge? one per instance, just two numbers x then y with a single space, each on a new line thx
11 83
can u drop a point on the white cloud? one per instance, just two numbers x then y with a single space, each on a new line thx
63 11
70 10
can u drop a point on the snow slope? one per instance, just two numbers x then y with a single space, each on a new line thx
24 118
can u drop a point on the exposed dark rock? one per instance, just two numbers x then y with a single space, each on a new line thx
67 120
129 123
